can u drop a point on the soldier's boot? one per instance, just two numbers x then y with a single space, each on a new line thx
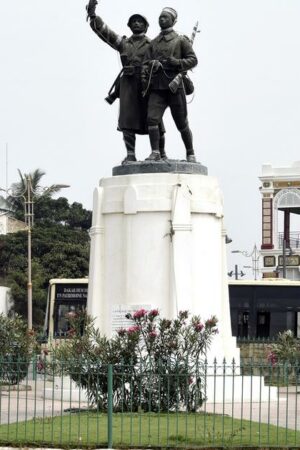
154 136
129 140
154 156
191 158
187 138
162 151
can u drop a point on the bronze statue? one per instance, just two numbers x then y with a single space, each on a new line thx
128 86
168 55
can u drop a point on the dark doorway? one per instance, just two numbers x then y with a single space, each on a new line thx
263 324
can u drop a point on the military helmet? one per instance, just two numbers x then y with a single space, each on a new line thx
138 15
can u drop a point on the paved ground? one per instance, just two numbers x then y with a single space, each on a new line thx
284 412
24 405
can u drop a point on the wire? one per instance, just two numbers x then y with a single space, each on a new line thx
149 79
191 101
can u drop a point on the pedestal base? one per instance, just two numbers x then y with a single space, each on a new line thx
157 241
168 166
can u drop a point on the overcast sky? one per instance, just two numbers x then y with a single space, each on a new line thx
55 73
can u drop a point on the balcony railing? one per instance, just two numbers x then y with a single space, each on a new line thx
294 242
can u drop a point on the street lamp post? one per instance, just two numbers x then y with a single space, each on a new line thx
237 273
28 198
29 215
255 259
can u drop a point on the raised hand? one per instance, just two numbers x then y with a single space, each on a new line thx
91 9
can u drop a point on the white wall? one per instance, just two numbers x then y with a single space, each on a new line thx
3 224
4 300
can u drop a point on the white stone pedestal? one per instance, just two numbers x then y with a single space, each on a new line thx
157 241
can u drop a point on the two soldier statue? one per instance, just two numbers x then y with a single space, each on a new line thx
143 85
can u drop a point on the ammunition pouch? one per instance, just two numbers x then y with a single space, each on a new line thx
131 70
188 85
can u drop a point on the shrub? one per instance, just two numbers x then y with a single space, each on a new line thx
157 363
284 358
17 346
285 349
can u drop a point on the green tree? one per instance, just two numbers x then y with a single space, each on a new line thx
60 246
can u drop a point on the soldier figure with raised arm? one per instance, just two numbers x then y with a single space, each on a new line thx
133 106
168 55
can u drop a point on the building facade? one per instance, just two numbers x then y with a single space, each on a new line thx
10 225
280 247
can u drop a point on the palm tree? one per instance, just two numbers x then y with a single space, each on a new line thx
29 184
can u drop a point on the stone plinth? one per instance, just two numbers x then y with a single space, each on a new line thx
168 166
157 241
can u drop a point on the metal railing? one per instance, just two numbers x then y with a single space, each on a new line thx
257 340
294 241
211 405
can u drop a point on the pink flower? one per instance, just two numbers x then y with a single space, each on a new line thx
139 314
198 326
153 313
272 358
133 330
153 334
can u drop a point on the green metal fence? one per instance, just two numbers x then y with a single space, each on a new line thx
211 405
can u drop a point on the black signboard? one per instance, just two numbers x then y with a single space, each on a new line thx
71 292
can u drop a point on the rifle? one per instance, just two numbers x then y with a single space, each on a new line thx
175 83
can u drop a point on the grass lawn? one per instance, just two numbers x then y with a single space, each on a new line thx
88 429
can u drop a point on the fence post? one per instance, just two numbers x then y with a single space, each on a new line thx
109 405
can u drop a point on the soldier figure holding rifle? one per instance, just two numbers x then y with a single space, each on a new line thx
133 106
168 55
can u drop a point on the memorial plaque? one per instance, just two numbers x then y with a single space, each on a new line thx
119 312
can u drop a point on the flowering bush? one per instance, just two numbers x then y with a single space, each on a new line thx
157 362
286 349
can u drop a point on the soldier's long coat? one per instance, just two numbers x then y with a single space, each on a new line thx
133 107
